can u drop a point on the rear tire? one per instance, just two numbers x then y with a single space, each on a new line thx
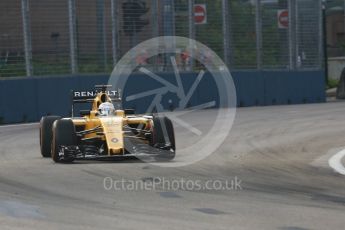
46 134
64 134
163 135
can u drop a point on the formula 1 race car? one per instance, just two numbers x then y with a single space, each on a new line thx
106 131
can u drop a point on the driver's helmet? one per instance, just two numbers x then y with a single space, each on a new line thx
106 109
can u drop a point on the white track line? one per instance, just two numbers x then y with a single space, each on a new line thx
335 162
17 125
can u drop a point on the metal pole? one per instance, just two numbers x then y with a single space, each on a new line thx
292 34
27 37
154 17
324 39
168 27
173 22
102 44
191 31
299 61
114 29
72 21
104 34
226 32
258 28
155 30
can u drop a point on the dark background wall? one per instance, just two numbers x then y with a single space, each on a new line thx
27 99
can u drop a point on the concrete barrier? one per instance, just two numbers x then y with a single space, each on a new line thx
335 67
27 99
340 93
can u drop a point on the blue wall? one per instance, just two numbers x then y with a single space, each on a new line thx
27 99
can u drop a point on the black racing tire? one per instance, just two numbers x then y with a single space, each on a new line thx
46 134
161 123
64 134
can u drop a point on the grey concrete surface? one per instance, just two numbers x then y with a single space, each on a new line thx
278 153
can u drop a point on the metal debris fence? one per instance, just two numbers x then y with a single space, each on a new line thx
49 37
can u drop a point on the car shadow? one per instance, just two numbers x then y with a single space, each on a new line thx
117 160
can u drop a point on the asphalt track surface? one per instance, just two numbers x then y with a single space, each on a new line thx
280 154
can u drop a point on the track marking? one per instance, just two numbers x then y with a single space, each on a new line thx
17 209
335 162
18 125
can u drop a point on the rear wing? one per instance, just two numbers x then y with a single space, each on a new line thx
79 97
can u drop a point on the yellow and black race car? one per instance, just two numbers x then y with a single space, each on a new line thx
106 131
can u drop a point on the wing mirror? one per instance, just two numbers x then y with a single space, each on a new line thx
85 112
129 111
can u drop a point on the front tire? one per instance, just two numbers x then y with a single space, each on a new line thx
64 134
46 134
163 137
